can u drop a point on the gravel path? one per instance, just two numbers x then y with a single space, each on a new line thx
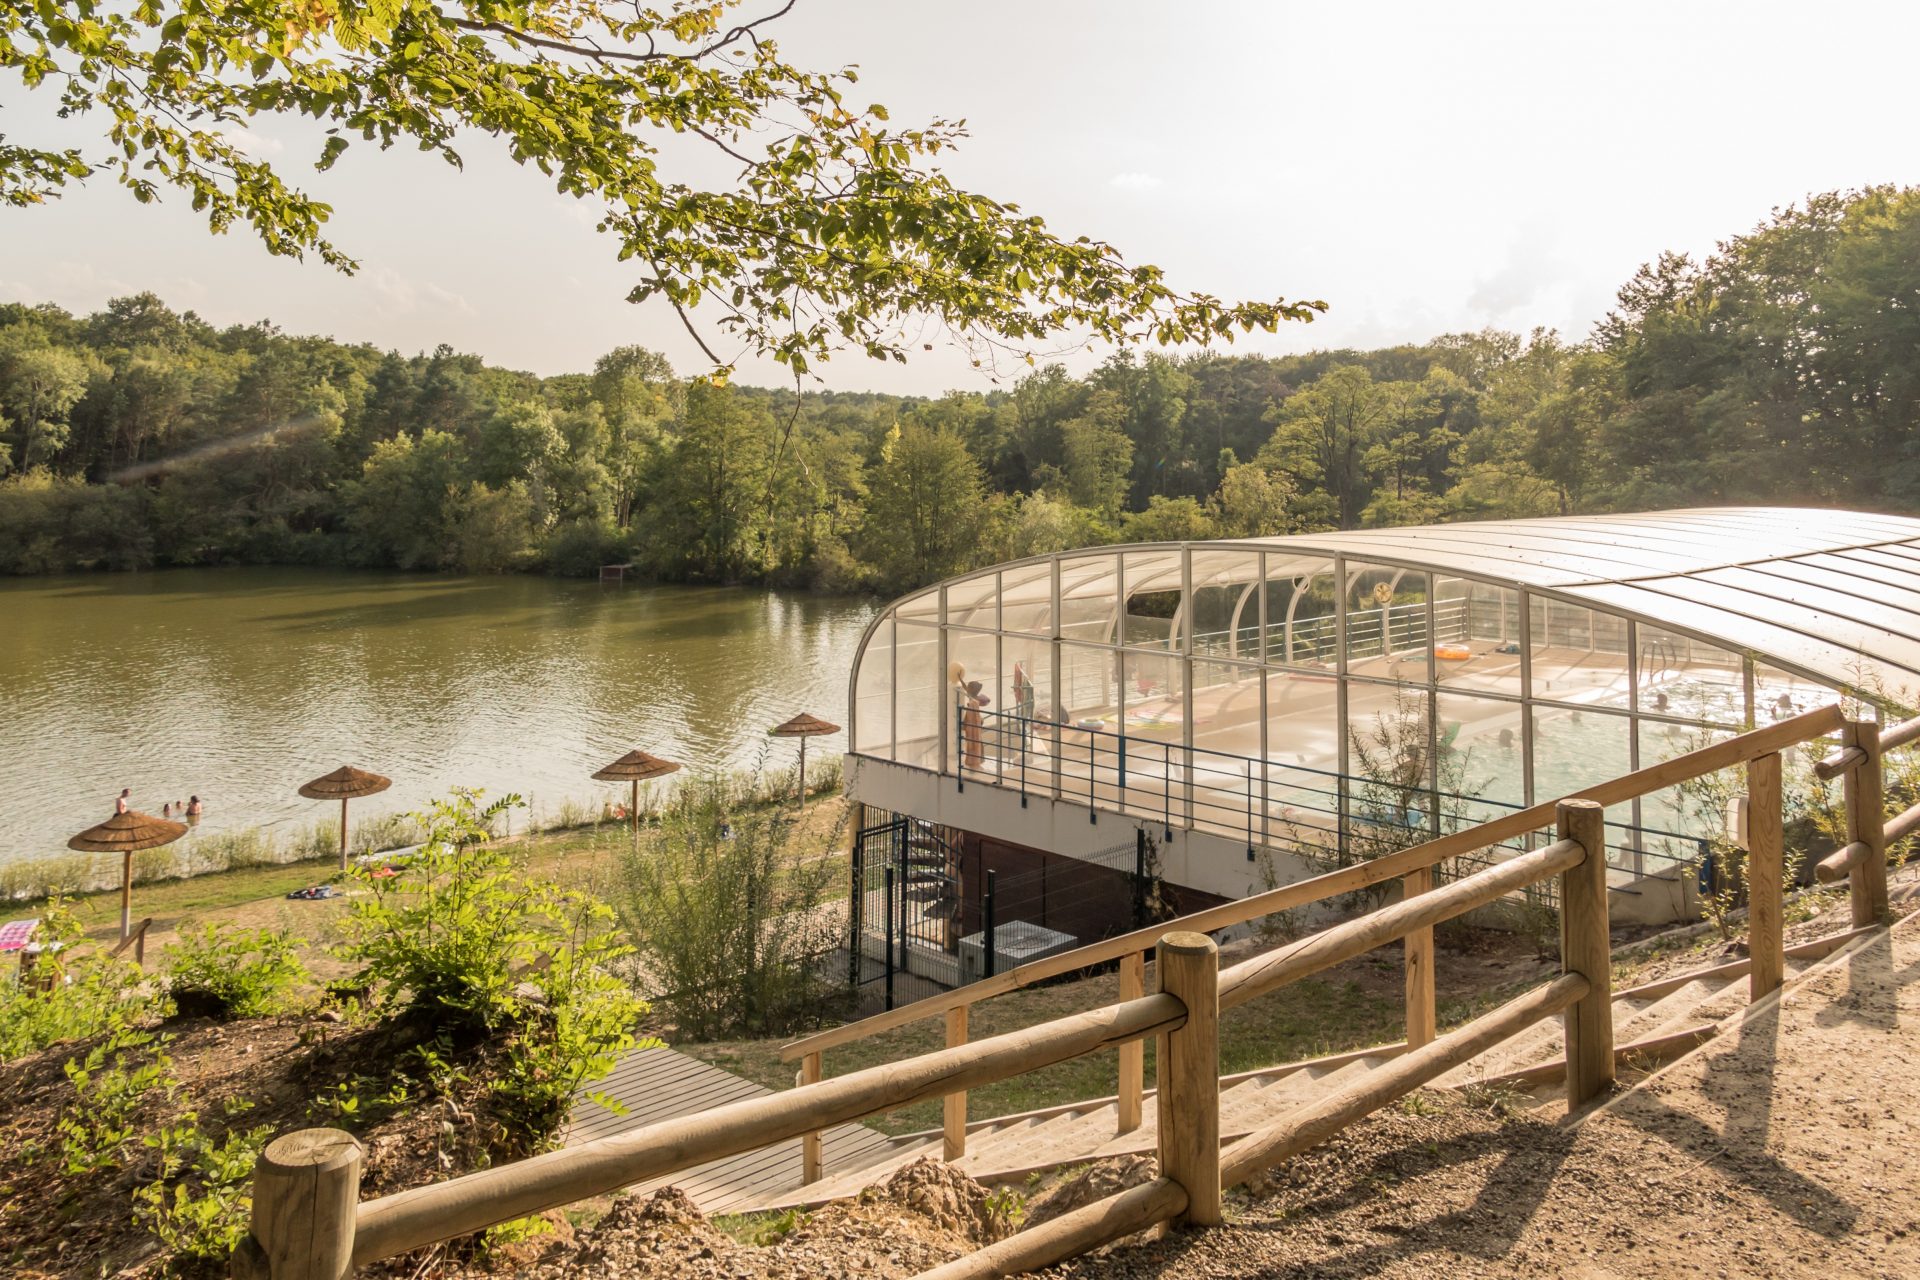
1790 1148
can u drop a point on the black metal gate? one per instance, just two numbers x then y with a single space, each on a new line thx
905 912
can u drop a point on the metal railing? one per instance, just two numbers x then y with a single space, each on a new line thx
1315 813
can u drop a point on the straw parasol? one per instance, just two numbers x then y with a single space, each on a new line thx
344 784
636 767
126 834
803 726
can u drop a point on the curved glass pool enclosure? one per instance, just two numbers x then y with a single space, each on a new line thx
1301 690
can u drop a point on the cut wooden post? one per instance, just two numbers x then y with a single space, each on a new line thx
1867 824
1189 1119
1765 877
306 1193
1587 949
812 1164
953 1108
1419 951
1133 1056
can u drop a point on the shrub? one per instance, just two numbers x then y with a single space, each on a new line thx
226 972
109 1084
478 950
93 994
200 1199
721 904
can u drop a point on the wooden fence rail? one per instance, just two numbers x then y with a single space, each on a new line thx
309 1225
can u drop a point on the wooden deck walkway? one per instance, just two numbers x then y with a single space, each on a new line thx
663 1084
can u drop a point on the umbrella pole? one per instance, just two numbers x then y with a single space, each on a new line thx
126 895
633 808
343 833
803 773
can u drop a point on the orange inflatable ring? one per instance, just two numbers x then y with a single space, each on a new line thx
1452 652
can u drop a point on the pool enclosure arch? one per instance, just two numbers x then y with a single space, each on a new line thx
1300 691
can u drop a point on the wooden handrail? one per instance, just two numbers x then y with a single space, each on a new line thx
425 1215
137 939
1269 970
1320 1120
1842 759
1709 759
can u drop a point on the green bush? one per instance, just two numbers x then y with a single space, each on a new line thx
109 1085
200 1199
479 951
225 972
94 993
721 903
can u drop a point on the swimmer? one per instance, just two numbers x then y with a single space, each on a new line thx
121 805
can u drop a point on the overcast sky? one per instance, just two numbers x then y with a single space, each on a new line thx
1423 168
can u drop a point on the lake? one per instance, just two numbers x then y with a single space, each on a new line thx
241 684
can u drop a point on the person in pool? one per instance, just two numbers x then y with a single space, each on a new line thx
193 806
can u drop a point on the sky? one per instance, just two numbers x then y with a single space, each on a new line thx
1422 168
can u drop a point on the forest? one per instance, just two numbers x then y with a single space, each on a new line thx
1782 368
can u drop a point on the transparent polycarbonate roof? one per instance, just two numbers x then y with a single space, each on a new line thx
1835 594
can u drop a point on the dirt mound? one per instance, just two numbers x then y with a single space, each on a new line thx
945 1199
1095 1182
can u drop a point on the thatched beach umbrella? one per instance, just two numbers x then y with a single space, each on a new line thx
126 834
803 726
344 784
636 767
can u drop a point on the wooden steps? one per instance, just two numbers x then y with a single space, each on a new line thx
1008 1149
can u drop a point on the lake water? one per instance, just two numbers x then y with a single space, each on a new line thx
241 684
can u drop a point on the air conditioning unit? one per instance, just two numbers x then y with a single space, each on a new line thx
1014 943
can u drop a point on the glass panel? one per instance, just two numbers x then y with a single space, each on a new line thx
918 696
1303 756
1477 636
1300 609
1579 654
1675 822
1089 688
1226 604
1778 695
1482 765
1089 598
1153 598
925 606
973 666
1689 679
1387 622
1026 599
974 602
1574 748
1156 697
873 695
1389 753
1024 700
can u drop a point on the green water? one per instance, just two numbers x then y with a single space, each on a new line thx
240 684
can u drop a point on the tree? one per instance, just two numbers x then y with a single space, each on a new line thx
39 385
1169 520
1253 502
1099 456
924 507
405 509
1322 434
834 225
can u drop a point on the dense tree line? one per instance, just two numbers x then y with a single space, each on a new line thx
1785 367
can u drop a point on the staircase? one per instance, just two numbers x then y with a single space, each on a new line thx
1662 1019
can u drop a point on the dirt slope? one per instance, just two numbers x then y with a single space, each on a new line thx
1790 1148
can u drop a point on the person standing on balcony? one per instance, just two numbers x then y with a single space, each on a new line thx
1023 701
973 748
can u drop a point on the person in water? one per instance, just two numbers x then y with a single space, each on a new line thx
166 810
121 805
193 806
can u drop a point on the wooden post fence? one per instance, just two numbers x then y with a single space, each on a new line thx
812 1161
1766 877
1421 1018
953 1108
1866 824
1586 949
1133 1056
1189 1128
306 1198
